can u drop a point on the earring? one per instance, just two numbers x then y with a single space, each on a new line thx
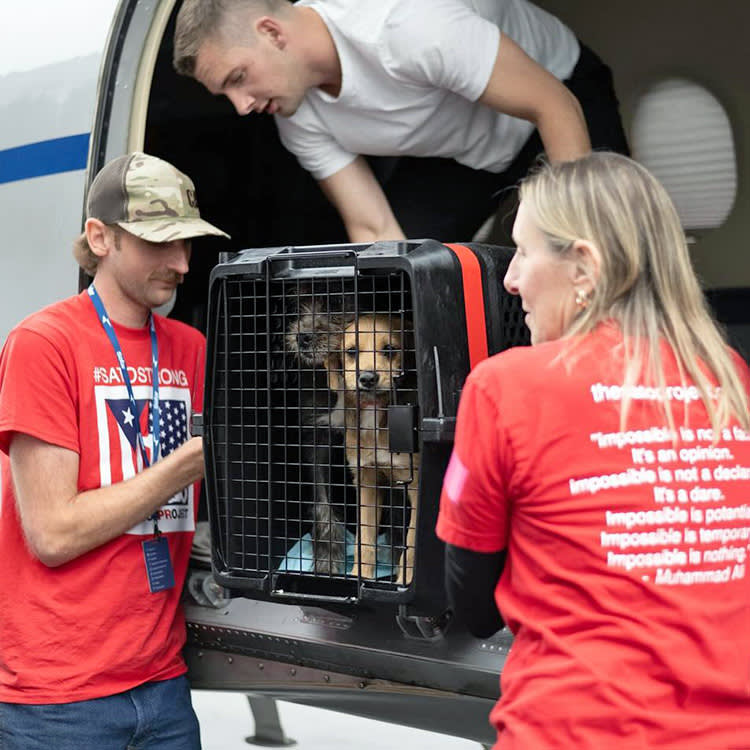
582 299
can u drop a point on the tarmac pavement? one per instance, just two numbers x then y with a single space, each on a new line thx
226 721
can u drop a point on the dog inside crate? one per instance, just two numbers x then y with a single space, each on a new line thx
349 343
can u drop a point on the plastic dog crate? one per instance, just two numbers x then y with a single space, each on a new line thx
332 383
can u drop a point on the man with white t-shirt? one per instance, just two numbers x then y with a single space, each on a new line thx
466 93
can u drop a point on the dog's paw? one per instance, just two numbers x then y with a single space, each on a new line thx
332 420
327 567
362 570
400 579
354 569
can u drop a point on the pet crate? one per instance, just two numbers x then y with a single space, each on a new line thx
332 383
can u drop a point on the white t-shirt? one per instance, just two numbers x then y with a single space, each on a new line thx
412 71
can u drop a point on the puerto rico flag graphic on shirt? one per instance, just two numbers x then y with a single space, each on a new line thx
119 454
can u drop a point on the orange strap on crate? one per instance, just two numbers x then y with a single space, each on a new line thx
476 325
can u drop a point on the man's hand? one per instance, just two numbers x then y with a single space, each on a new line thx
190 453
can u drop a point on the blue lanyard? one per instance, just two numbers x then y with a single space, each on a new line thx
155 409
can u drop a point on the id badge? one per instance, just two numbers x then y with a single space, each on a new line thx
158 564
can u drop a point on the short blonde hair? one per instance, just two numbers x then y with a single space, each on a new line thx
199 20
647 283
83 255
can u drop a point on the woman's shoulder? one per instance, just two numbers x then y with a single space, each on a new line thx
519 359
550 362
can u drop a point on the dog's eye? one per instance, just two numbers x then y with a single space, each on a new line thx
389 350
351 352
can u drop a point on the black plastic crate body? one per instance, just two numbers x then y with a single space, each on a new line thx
272 398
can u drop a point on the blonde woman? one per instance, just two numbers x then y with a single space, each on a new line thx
598 496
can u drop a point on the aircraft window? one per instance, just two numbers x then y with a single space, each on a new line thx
681 132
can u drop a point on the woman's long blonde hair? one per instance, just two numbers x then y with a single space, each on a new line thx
646 282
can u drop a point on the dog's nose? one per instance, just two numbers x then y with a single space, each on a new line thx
304 341
368 379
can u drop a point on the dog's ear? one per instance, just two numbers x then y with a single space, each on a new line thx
334 340
332 363
346 320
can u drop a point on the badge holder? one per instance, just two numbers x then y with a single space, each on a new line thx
158 562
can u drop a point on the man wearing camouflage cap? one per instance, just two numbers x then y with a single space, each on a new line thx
96 393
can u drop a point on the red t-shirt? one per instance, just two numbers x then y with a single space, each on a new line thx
91 627
626 582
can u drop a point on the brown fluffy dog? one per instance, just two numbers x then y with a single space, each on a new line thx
314 333
372 350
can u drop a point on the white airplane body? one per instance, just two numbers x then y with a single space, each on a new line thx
46 115
50 58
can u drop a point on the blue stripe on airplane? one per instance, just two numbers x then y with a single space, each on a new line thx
44 157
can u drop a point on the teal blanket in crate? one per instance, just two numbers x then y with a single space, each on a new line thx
300 558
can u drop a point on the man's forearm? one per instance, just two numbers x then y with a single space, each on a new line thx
563 131
361 203
371 233
61 523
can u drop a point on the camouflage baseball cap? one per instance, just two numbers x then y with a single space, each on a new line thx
149 198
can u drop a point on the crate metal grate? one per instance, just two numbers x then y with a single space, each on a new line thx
308 372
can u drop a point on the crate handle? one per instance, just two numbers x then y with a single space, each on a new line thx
196 424
476 324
